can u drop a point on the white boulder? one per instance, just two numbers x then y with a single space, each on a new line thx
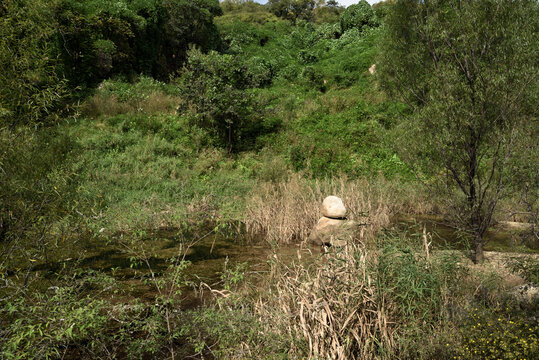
333 207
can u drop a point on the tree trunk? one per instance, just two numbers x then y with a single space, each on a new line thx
230 139
478 245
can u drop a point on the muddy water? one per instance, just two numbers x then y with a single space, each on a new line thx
122 257
210 254
504 237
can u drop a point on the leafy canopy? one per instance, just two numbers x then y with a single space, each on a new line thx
215 89
359 16
468 69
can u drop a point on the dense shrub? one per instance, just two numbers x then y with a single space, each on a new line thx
246 11
292 9
32 87
328 14
101 38
360 16
215 88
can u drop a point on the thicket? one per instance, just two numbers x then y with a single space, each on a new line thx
52 46
359 16
99 39
32 86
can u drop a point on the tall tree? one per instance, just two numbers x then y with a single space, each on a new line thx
468 70
360 16
292 9
103 38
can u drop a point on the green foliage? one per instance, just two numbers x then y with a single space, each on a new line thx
190 23
318 93
44 325
78 317
382 8
97 38
231 331
158 321
231 278
245 11
32 88
215 87
499 333
37 189
460 68
419 287
359 16
139 90
526 267
327 14
342 142
292 9
101 38
148 168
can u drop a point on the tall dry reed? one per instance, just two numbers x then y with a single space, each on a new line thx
330 308
287 212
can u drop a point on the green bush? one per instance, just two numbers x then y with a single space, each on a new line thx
45 325
527 267
328 14
419 287
292 9
245 12
37 189
32 87
359 16
215 88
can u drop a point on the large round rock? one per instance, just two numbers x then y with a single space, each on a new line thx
333 207
336 232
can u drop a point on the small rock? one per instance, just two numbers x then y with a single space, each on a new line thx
333 207
372 69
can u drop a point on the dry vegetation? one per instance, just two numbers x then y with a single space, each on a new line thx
332 306
103 104
376 302
286 212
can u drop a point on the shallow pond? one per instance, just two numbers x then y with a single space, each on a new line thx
504 237
131 257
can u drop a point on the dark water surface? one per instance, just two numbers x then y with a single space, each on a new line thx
504 237
210 254
132 258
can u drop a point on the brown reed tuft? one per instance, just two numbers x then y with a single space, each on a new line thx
286 212
330 308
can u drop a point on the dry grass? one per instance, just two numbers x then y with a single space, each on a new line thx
286 212
330 309
109 105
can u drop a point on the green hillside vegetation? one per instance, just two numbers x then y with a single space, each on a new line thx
226 124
